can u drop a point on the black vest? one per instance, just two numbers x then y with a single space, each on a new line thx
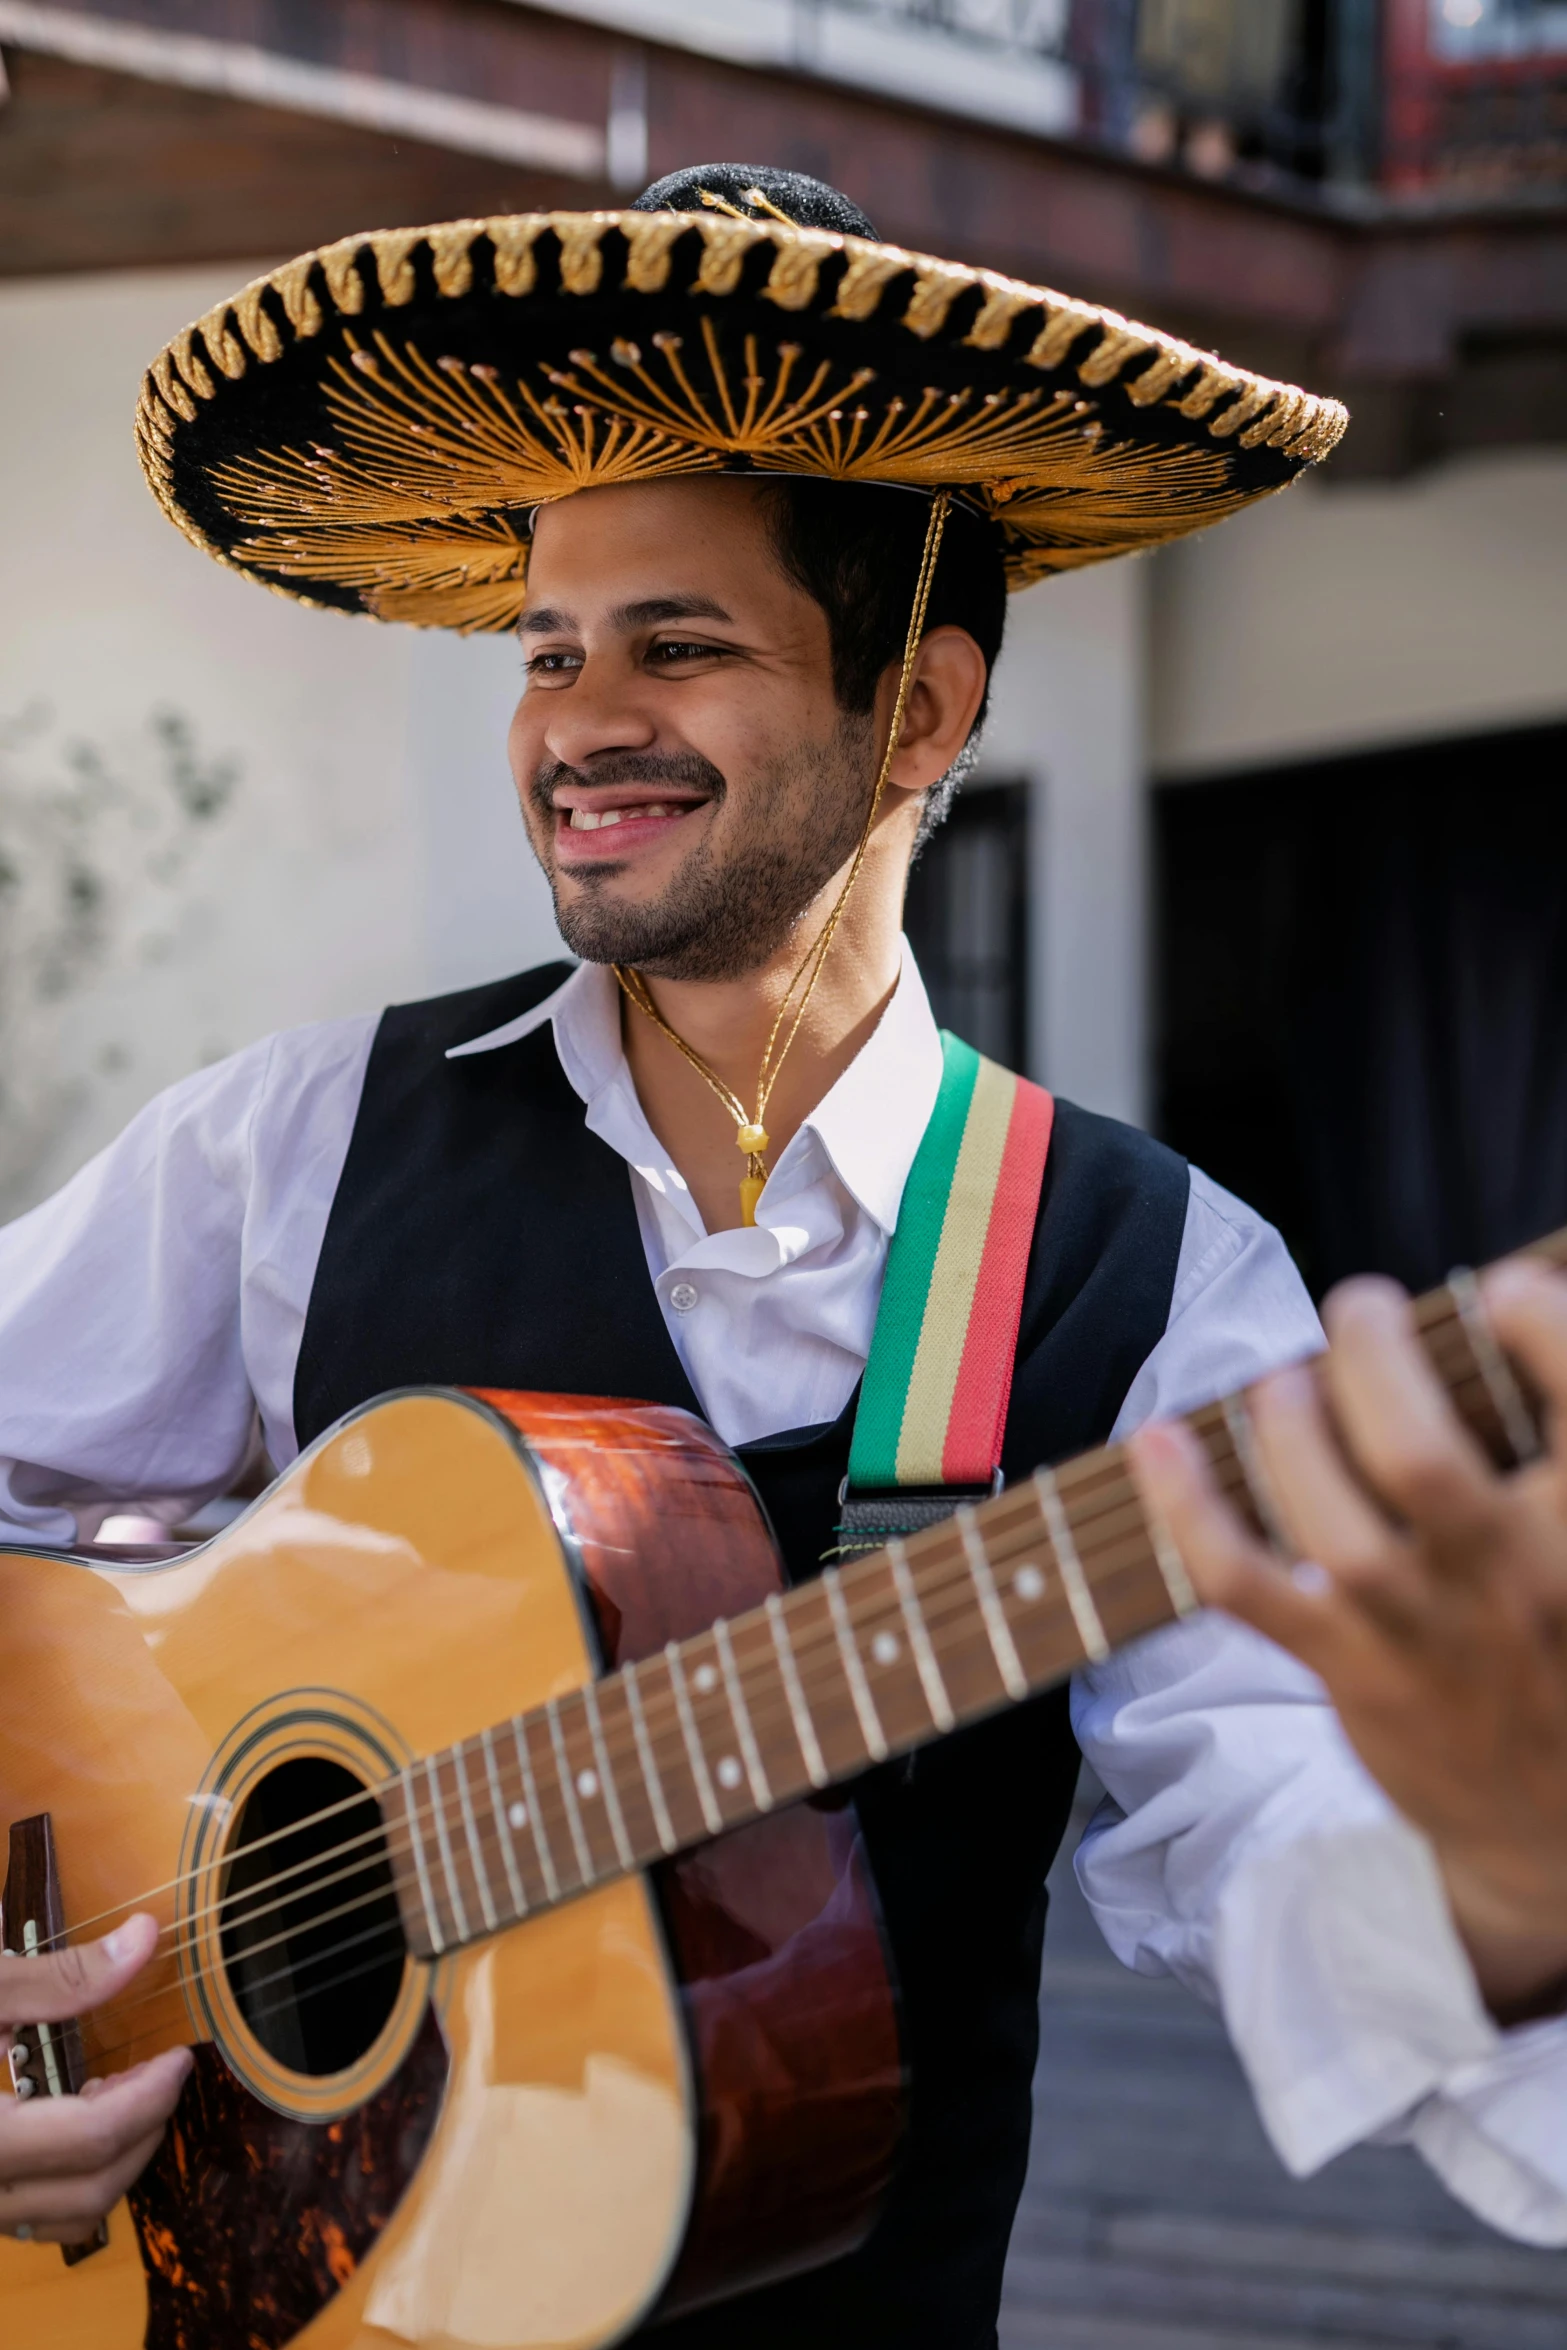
481 1236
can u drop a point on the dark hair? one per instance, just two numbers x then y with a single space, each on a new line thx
809 203
855 548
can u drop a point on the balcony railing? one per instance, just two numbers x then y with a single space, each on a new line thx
1441 98
1444 99
1477 99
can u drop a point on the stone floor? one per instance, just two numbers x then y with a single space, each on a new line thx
1156 2217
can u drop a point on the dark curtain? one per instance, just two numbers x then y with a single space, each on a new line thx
1362 998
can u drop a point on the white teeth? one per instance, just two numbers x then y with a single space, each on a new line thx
584 820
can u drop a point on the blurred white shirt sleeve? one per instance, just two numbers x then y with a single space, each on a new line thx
150 1311
1243 1848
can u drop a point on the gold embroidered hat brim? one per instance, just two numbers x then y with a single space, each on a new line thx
371 426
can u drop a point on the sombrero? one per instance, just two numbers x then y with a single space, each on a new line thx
371 426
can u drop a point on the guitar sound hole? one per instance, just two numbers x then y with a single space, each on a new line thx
312 1942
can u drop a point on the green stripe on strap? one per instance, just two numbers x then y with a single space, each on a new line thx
873 1458
936 1385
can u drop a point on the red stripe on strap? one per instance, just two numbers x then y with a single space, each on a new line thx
984 1387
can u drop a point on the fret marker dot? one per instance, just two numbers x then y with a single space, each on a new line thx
1029 1583
587 1782
704 1680
728 1772
884 1648
518 1815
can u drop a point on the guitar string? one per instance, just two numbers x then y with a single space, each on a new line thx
190 1976
951 1575
256 1915
1436 1315
176 1988
766 1716
1098 1462
1122 1495
822 1640
974 1639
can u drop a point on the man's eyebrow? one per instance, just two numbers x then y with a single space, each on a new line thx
654 609
650 612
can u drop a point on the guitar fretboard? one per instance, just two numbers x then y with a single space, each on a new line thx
863 1663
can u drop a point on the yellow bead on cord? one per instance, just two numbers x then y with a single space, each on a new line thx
751 1134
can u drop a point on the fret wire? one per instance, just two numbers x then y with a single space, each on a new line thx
664 1826
438 1807
481 1875
1171 1565
611 1793
522 1749
530 1796
437 1938
789 1673
761 1792
935 1688
519 1899
536 1810
580 1846
854 1671
1074 1582
1237 1419
1496 1372
697 1759
999 1632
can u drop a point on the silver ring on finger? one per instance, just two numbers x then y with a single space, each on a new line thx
22 2232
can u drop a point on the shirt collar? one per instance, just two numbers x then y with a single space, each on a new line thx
869 1125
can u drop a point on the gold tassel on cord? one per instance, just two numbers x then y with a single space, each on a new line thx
751 1134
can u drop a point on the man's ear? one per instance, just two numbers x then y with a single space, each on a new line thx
945 694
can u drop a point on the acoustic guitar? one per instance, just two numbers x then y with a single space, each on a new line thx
482 1780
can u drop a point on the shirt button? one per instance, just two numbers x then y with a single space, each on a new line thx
683 1297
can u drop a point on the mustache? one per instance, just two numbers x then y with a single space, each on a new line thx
652 767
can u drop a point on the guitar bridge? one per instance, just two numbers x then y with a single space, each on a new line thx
46 2059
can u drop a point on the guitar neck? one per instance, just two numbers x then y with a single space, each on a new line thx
865 1662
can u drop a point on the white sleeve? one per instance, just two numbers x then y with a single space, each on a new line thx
147 1306
1243 1848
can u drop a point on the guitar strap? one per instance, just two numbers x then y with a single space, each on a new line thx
933 1404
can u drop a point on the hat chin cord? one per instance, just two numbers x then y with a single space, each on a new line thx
750 1131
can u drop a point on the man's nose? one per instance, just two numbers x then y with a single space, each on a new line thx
601 711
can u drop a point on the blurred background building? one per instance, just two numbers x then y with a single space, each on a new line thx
1268 847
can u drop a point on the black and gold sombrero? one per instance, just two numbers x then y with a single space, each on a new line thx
371 426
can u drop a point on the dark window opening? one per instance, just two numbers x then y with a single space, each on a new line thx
1361 998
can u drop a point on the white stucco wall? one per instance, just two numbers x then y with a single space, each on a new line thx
1336 617
370 848
1068 714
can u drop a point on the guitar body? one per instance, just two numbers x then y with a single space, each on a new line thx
668 2090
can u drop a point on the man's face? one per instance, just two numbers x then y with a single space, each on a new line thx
687 777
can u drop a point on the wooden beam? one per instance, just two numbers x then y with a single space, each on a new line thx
101 170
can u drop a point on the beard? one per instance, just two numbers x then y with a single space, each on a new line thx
729 907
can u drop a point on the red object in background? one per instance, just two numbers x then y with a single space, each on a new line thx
1489 124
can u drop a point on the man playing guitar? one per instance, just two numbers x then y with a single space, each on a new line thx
729 743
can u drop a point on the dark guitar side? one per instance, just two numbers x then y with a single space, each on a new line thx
785 1984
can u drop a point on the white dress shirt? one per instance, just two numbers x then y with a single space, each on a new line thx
151 1312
